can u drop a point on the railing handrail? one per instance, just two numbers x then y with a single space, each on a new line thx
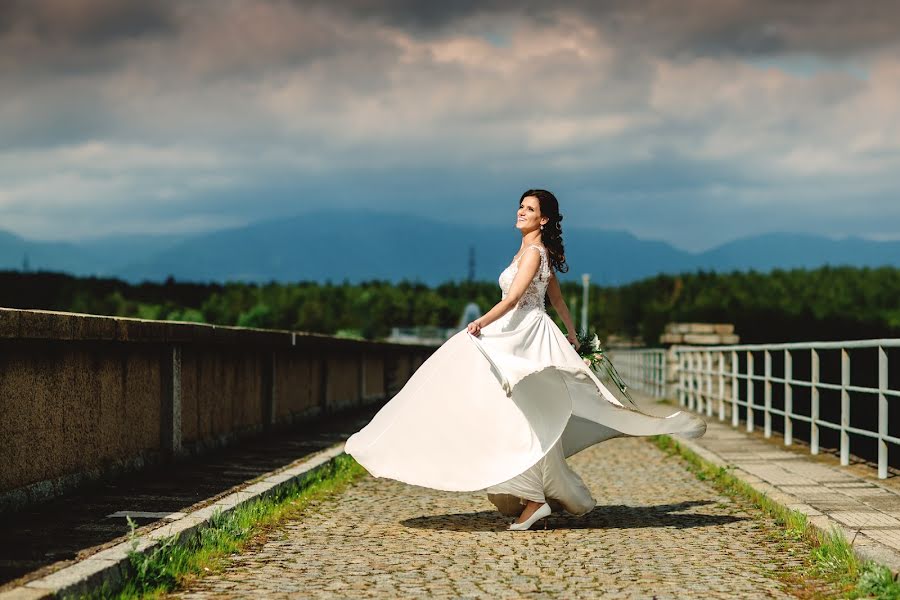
823 345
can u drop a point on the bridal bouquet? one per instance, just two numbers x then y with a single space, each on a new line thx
597 360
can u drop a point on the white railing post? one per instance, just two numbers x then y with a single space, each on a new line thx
707 378
682 379
692 398
734 388
882 413
721 394
788 398
696 384
663 373
645 371
767 394
845 407
814 402
750 369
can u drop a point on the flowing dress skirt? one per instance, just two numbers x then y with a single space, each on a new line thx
508 404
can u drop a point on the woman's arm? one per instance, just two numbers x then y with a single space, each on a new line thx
556 299
528 266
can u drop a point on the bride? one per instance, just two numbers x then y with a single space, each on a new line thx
501 404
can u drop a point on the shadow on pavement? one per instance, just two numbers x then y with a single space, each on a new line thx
614 516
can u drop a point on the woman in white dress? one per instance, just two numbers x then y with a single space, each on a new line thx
501 404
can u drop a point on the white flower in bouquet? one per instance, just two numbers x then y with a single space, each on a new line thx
595 343
587 361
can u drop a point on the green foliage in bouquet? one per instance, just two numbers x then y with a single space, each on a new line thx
598 361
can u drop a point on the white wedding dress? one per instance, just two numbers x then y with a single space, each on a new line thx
501 411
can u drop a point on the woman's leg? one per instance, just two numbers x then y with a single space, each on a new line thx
529 509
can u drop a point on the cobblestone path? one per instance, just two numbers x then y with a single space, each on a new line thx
657 532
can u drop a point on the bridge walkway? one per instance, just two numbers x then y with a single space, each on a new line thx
658 531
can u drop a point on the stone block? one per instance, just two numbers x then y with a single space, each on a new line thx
42 324
178 332
278 478
226 335
142 401
9 323
110 378
25 593
343 381
189 401
373 377
115 553
91 327
671 338
260 488
232 500
247 393
80 575
297 383
80 409
723 328
702 339
138 330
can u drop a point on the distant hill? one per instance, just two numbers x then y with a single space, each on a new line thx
787 250
362 245
101 257
60 256
366 245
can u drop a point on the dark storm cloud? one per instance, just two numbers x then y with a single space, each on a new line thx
86 22
749 27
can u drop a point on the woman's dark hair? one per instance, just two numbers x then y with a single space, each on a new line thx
551 234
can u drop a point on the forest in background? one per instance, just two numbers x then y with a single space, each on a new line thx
829 303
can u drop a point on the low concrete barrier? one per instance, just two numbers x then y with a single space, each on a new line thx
84 396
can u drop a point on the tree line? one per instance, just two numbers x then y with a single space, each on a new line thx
828 303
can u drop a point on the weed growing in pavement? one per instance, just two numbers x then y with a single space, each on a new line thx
831 557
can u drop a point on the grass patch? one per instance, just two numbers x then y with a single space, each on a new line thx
173 563
831 557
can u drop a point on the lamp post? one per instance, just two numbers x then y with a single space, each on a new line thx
585 279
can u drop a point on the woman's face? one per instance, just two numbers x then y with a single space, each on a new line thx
528 217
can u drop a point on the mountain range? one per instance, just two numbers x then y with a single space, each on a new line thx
333 245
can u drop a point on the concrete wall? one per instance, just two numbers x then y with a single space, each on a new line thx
85 396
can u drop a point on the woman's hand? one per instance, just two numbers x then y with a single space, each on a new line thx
474 327
573 339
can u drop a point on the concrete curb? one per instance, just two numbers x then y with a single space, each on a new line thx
864 547
112 565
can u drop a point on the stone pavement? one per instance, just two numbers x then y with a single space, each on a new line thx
850 497
657 532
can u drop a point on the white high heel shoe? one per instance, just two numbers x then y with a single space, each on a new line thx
542 511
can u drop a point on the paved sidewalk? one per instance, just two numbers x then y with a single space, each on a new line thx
657 532
851 497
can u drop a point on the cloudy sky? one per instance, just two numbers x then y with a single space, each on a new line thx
691 121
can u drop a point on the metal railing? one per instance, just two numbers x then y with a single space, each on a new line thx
643 369
727 381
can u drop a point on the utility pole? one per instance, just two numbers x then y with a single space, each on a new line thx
585 280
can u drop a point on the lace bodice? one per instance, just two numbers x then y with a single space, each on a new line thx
533 298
